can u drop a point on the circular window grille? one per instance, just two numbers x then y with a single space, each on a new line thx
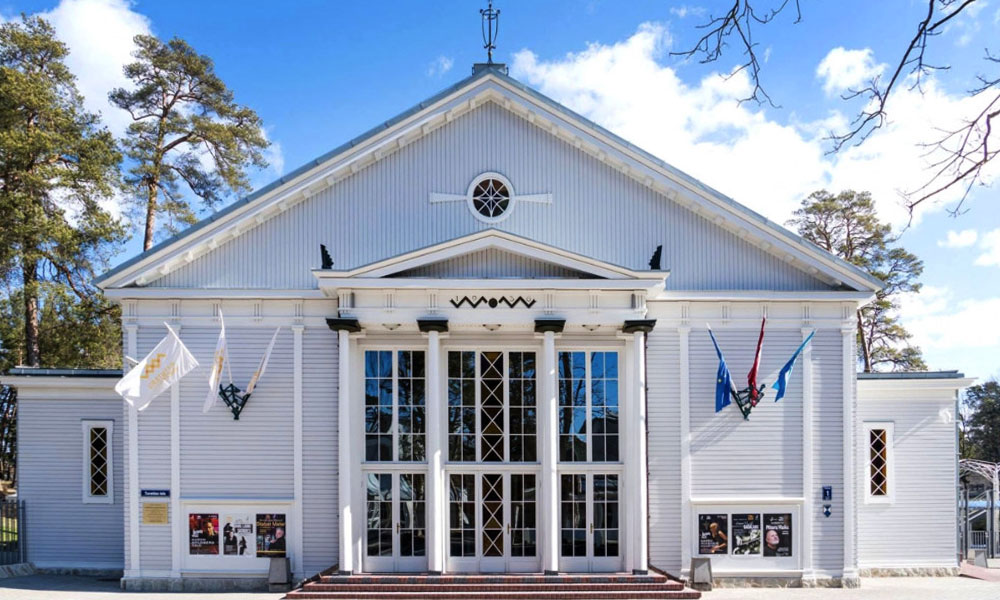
491 198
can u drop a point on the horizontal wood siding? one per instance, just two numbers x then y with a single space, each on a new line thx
61 529
918 528
828 446
731 456
319 449
384 211
154 463
492 264
664 458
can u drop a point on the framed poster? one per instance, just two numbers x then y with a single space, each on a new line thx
155 513
746 534
203 533
238 537
713 534
777 534
271 535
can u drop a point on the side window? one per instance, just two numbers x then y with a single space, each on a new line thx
394 406
879 484
98 471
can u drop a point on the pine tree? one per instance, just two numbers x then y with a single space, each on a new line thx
186 131
58 163
848 226
981 428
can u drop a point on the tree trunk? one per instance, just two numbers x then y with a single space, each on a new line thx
151 199
865 351
33 354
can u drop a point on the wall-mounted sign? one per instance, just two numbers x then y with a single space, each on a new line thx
154 493
271 535
827 492
154 513
778 534
713 534
746 534
203 533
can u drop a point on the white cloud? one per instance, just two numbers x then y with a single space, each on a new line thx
739 149
959 239
842 70
439 66
939 321
990 245
684 10
99 36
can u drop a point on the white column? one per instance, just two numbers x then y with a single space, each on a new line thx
177 520
548 441
344 454
684 339
297 522
808 487
133 465
850 574
637 428
436 521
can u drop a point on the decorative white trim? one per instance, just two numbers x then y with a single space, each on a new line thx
849 487
890 463
471 202
345 454
747 500
177 522
297 481
87 425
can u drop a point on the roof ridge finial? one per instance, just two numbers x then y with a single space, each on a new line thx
490 25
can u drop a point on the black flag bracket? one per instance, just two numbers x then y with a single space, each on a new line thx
746 401
234 398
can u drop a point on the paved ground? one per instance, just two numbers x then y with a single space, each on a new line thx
39 587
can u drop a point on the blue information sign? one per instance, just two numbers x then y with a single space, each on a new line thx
154 493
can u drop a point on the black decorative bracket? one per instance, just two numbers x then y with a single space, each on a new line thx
234 399
746 401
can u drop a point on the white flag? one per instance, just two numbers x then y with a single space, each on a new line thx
220 358
263 364
163 367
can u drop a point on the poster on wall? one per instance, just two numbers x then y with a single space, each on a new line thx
237 536
713 534
778 534
203 533
746 534
271 535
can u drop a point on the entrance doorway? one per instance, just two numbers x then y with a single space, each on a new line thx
492 522
589 522
395 516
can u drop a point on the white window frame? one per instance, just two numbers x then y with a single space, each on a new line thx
890 462
86 426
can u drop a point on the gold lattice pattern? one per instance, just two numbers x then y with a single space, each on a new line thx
98 461
879 462
491 402
493 515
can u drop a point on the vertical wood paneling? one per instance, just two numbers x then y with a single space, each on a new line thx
492 264
384 211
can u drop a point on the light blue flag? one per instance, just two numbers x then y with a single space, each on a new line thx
723 380
787 369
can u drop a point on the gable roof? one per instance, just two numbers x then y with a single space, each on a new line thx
488 84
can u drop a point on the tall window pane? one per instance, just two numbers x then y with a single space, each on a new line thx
523 411
572 406
604 406
491 401
378 405
573 515
462 406
98 461
462 514
412 521
379 509
878 476
411 406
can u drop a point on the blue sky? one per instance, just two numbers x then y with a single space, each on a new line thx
319 73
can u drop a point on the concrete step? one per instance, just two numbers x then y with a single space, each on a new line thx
507 587
306 594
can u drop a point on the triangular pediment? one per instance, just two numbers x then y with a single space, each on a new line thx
492 254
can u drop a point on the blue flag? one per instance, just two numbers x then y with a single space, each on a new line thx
723 380
787 369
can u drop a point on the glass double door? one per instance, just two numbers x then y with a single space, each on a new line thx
492 522
396 521
590 523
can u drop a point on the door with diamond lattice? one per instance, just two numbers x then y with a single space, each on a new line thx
492 520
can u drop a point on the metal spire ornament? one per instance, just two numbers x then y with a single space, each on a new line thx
490 26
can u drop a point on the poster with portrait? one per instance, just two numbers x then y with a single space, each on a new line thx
778 534
746 534
203 533
271 535
237 536
713 534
